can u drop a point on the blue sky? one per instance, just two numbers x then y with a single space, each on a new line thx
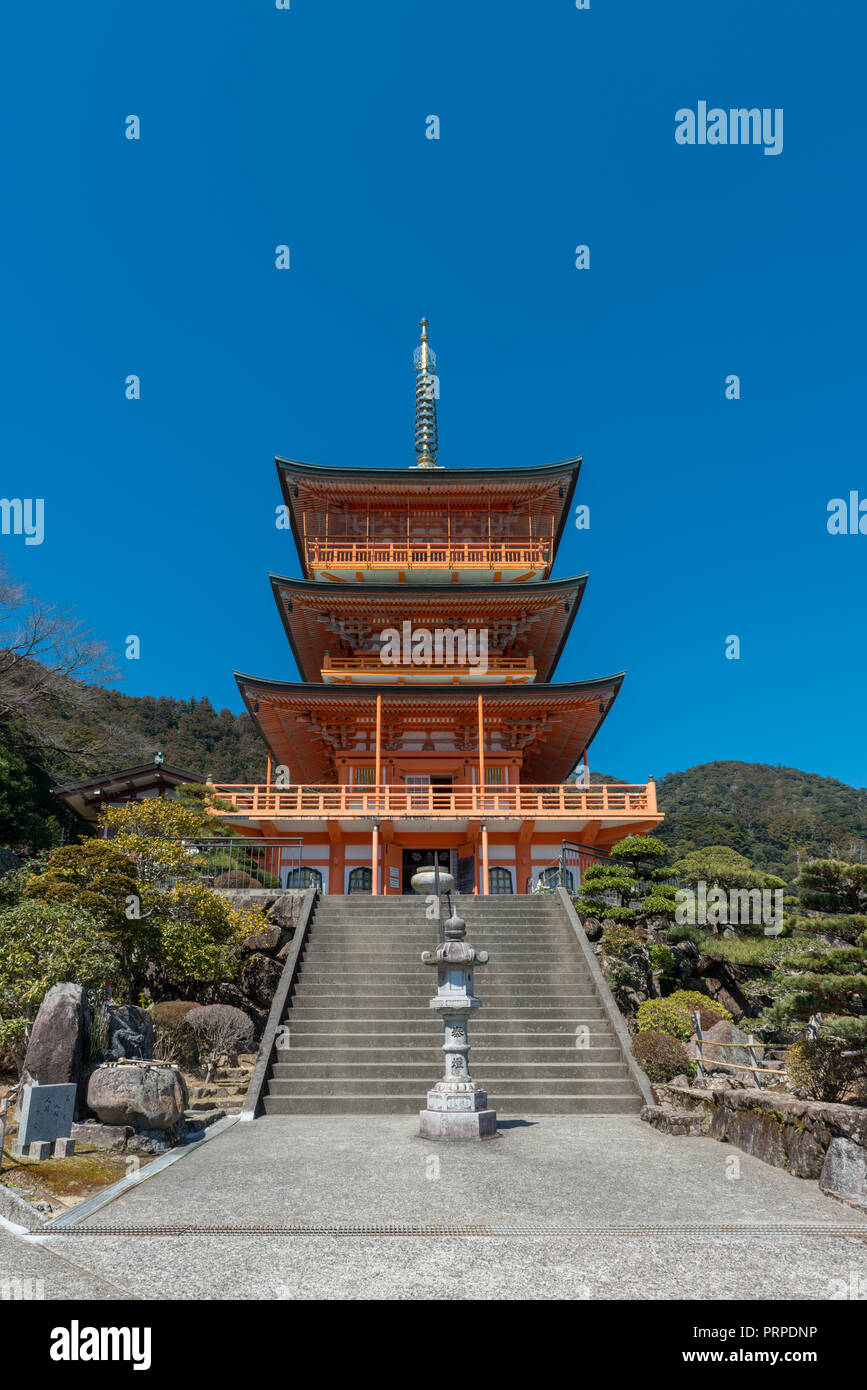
307 127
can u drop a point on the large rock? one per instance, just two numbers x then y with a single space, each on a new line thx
59 1040
726 1033
146 1097
266 940
93 1135
286 909
130 1031
844 1173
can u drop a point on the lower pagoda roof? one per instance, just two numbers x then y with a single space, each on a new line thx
307 726
535 619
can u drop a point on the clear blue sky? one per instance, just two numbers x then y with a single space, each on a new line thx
307 127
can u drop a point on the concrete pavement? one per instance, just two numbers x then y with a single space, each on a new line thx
554 1180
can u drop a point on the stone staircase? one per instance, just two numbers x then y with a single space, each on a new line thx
362 1039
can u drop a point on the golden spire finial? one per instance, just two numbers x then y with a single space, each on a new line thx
426 388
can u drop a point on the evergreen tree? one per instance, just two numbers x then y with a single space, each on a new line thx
829 977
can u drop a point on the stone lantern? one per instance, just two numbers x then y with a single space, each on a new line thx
456 1107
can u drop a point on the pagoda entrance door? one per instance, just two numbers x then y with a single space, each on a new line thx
415 859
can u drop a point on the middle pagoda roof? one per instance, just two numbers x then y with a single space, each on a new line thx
520 620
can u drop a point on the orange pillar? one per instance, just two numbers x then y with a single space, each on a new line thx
374 860
485 876
377 778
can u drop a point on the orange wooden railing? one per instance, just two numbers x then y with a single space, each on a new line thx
394 554
508 665
532 802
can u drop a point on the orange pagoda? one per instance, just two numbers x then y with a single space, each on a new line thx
426 631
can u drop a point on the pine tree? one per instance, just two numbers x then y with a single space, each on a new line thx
830 977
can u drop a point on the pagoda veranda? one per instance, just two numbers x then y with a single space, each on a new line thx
426 630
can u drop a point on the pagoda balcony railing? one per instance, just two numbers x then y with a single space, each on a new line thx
371 664
444 803
428 554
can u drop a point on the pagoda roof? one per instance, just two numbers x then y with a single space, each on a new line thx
520 620
307 725
536 488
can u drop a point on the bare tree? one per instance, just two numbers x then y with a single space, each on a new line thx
43 650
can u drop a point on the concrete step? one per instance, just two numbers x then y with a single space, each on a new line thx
516 1013
506 1104
426 1025
331 1086
409 979
527 1071
479 1056
374 994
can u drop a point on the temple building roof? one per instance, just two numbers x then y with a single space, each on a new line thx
307 726
520 622
87 797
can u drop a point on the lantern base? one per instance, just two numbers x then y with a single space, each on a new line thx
457 1124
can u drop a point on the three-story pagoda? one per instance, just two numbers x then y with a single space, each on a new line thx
426 630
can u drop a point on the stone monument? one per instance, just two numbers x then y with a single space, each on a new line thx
456 1107
46 1121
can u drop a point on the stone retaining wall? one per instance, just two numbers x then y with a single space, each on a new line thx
809 1138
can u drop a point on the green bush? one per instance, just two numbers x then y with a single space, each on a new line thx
620 942
662 958
673 1015
818 1066
660 1055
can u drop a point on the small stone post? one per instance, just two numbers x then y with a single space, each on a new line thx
456 1107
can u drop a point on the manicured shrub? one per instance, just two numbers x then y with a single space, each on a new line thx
818 1067
673 1015
221 1029
661 1056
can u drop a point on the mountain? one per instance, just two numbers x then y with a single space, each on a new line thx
777 816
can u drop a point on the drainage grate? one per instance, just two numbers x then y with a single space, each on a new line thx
352 1228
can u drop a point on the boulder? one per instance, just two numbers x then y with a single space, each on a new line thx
725 1032
130 1031
844 1173
59 1040
285 910
259 979
146 1097
93 1135
266 940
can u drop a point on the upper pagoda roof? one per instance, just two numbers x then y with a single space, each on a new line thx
537 489
520 620
306 725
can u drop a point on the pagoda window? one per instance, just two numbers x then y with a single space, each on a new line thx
304 878
500 880
361 776
360 880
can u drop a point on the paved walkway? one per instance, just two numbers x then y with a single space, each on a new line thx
553 1181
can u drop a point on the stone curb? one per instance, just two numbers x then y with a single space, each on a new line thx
19 1212
609 1003
253 1100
